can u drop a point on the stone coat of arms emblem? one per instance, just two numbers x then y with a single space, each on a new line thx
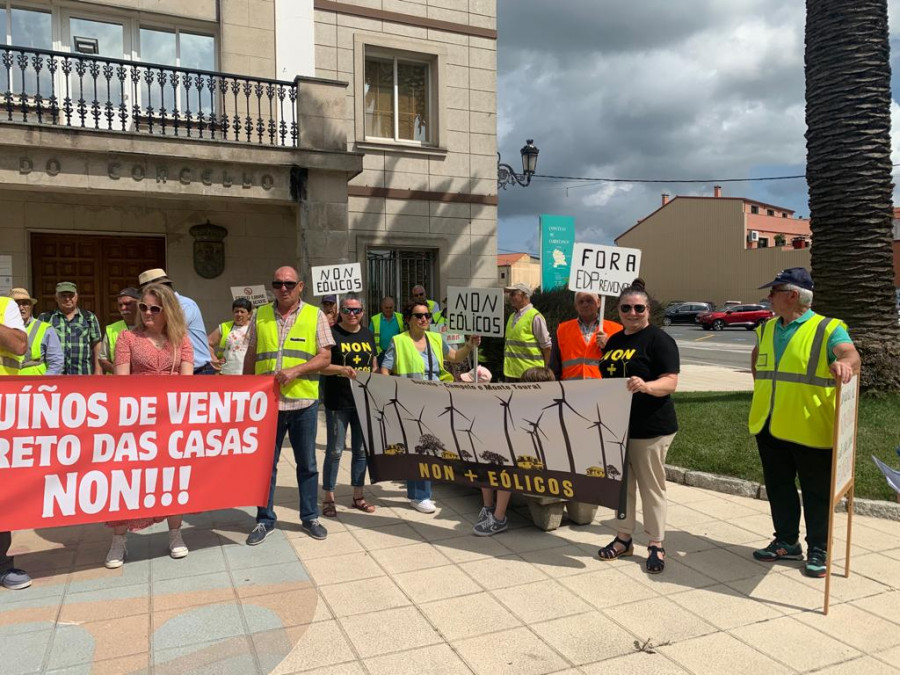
209 249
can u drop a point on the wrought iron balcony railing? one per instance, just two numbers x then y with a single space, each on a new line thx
92 92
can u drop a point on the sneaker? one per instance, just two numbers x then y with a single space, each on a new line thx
15 579
815 562
116 556
258 534
177 549
491 526
423 505
314 529
484 513
779 550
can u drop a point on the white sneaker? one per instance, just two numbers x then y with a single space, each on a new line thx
116 556
423 505
177 549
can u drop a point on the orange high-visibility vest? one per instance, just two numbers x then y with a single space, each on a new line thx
580 359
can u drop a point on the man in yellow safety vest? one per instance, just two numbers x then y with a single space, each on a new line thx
43 355
798 358
126 302
528 340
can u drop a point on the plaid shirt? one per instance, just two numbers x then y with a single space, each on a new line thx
324 338
77 338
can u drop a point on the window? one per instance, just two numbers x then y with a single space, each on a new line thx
397 99
181 49
395 271
26 28
754 208
770 212
763 242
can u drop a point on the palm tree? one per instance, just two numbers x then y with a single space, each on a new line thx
560 403
848 169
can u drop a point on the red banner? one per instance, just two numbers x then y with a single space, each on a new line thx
93 449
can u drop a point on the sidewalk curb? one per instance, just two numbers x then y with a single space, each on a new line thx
745 488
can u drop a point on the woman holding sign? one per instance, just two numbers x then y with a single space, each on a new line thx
648 359
158 345
420 354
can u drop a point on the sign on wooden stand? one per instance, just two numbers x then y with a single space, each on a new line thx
842 469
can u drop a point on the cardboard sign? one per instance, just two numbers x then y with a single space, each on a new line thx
475 311
845 437
255 294
337 279
605 270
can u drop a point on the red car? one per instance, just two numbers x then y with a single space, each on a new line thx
743 316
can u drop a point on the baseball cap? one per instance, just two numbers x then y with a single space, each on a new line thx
156 275
131 292
525 288
66 287
22 294
329 298
796 276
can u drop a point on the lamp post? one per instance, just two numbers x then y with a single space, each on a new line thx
505 173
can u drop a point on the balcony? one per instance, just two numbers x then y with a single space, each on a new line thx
78 91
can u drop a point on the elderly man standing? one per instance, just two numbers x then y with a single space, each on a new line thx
127 302
203 359
797 360
385 325
43 355
418 293
528 339
292 340
78 330
13 342
579 343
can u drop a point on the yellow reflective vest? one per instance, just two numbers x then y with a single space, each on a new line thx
522 350
9 362
224 332
408 360
299 347
32 363
113 331
796 396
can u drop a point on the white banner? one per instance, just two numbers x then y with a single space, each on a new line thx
337 279
475 311
603 269
255 294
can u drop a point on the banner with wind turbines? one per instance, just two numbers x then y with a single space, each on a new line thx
549 439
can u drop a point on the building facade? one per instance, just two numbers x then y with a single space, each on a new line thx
514 268
221 139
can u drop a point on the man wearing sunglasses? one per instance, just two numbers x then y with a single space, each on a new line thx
291 340
528 339
418 294
799 357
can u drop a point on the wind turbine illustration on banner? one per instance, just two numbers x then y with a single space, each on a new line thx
453 412
471 434
395 403
507 418
561 403
536 432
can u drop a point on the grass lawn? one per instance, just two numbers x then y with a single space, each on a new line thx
713 437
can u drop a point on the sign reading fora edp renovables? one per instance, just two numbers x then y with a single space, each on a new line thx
604 270
336 279
475 311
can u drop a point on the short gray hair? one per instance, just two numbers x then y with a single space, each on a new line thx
805 295
352 296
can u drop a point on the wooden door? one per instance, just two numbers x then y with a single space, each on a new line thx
99 265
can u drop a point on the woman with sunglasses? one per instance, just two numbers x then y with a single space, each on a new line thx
647 358
420 354
158 345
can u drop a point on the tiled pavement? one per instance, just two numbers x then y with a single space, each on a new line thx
402 592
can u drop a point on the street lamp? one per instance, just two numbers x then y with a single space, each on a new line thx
505 173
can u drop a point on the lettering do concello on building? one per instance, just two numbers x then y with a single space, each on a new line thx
185 175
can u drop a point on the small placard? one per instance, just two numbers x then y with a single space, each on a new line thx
337 279
256 294
475 311
845 437
605 270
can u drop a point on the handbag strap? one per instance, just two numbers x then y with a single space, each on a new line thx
430 356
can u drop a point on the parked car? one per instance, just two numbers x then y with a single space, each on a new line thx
685 313
738 316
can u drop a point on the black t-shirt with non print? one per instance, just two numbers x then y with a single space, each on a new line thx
356 350
647 354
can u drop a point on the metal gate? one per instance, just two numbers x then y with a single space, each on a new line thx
394 272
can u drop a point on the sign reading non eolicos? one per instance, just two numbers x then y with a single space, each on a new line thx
475 311
337 279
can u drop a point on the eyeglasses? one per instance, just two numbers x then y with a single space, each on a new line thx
639 309
422 315
351 310
773 291
153 309
290 285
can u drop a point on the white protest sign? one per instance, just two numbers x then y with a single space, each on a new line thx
475 311
845 437
605 270
336 279
255 294
449 338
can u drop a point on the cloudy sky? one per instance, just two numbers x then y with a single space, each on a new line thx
693 89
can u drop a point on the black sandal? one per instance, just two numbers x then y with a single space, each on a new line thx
610 552
655 564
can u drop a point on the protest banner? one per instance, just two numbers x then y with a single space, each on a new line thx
255 294
843 468
475 311
550 439
605 270
337 279
92 449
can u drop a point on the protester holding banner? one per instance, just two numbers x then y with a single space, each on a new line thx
291 340
229 340
798 357
528 339
43 356
578 348
385 325
647 358
420 354
13 343
126 302
354 352
158 345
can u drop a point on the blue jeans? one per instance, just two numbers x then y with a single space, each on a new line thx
300 426
337 442
418 489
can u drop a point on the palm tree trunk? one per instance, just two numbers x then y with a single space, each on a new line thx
848 117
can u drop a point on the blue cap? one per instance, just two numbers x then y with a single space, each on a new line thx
329 298
797 276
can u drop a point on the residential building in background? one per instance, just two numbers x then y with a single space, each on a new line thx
514 268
